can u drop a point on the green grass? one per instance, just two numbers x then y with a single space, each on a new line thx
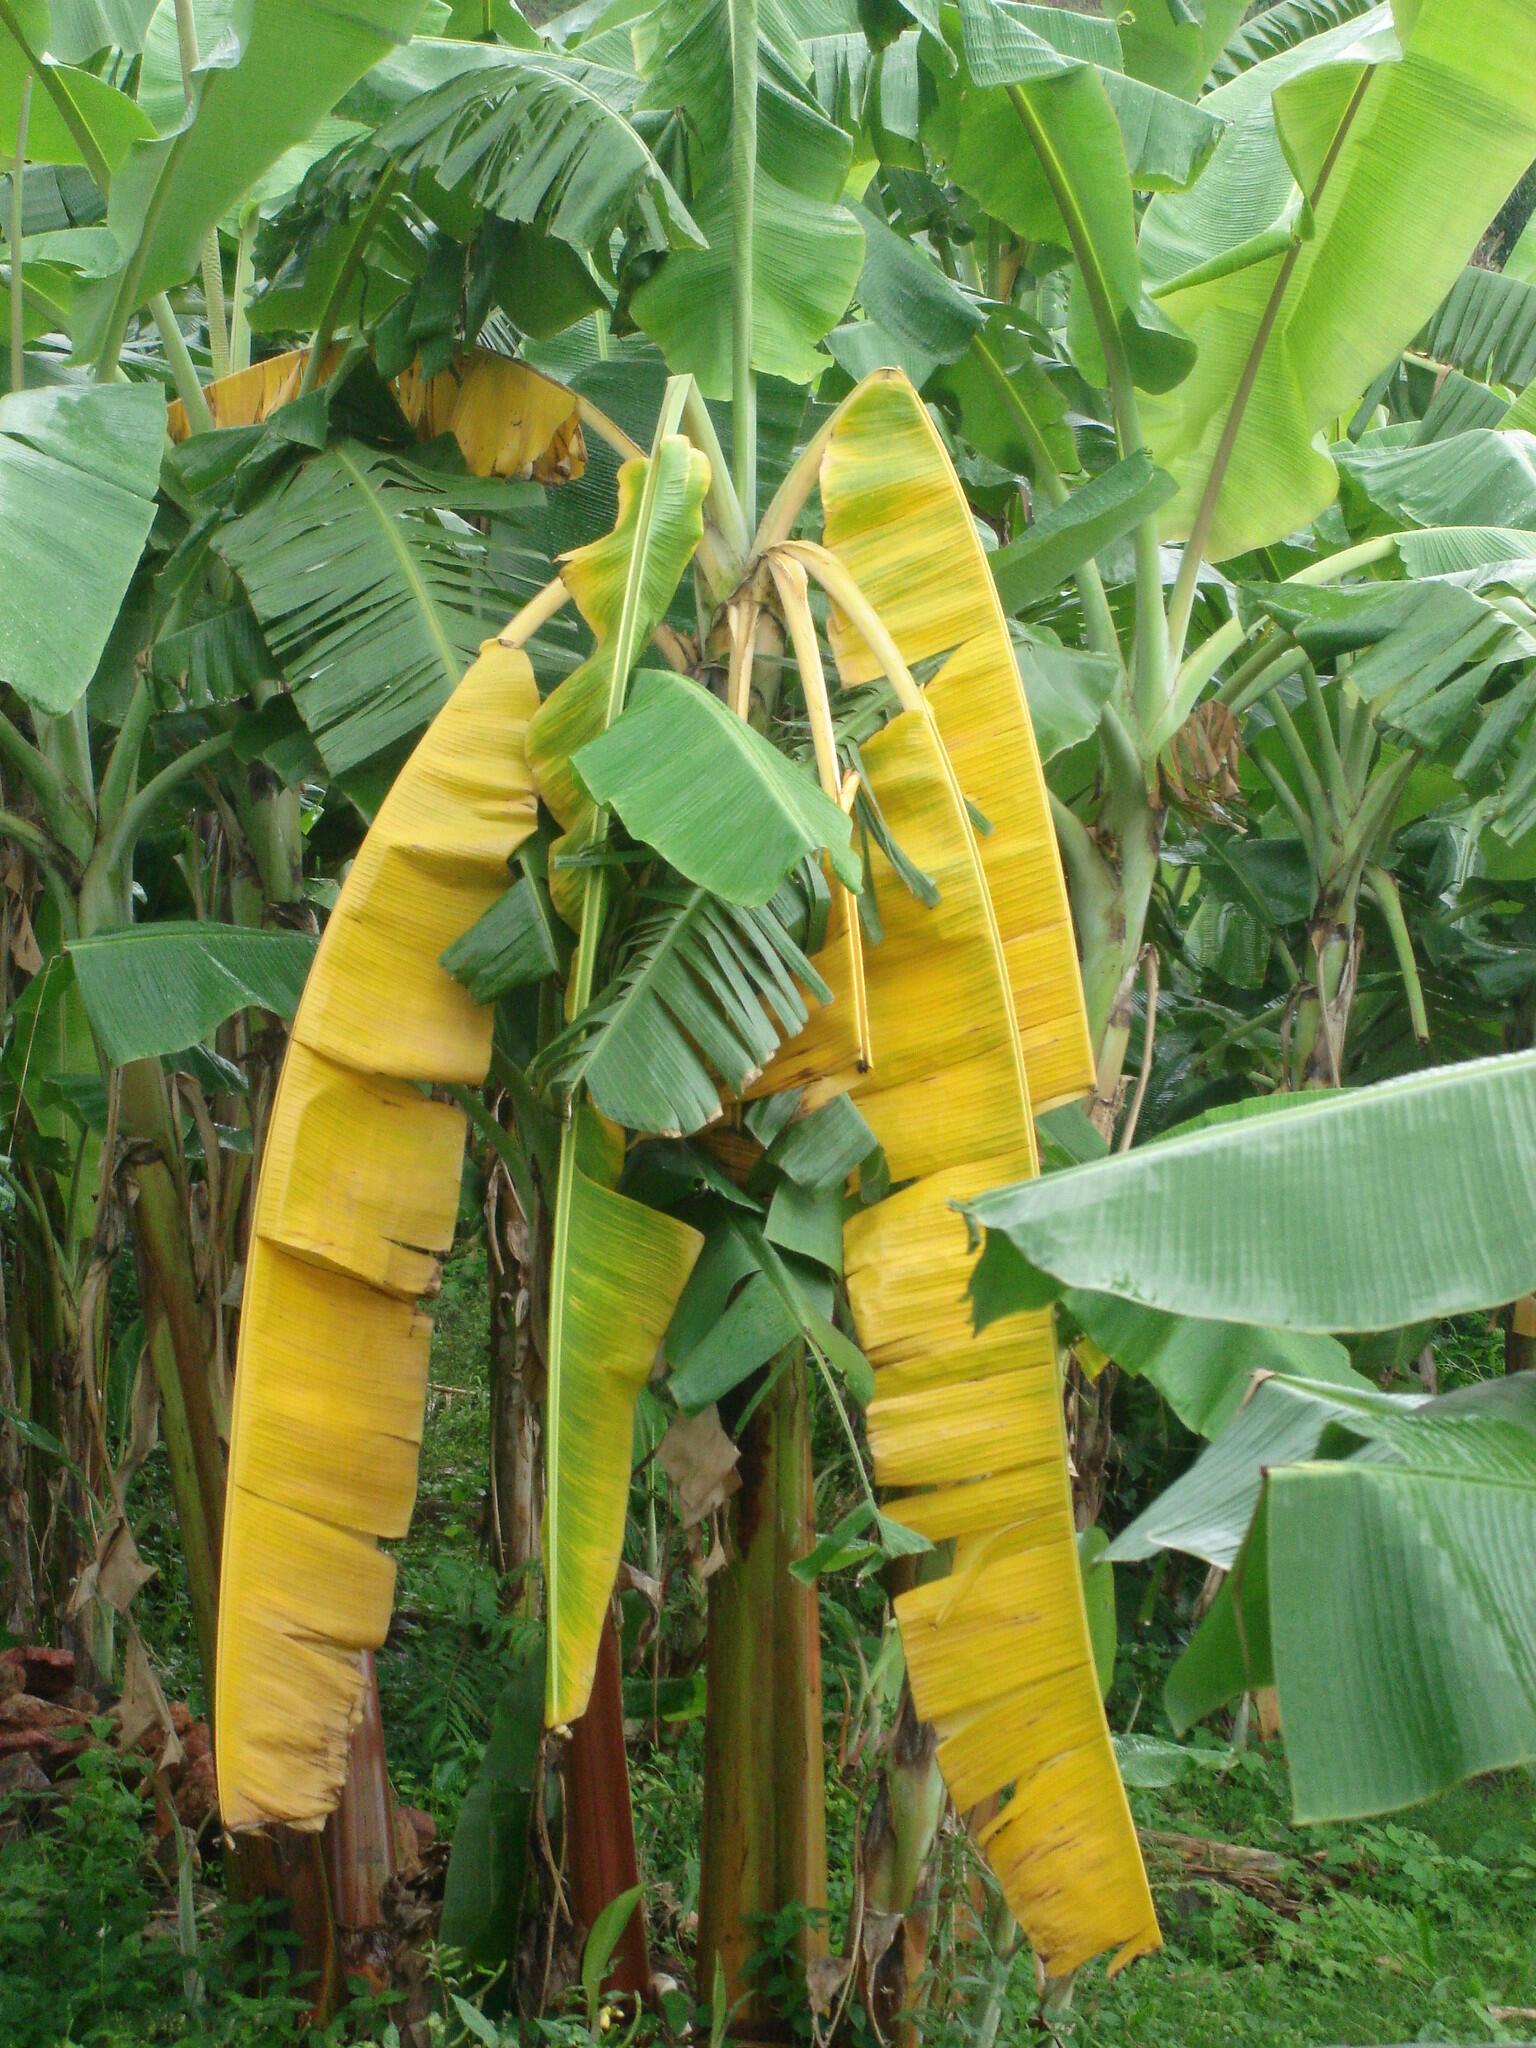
1410 1927
1414 1927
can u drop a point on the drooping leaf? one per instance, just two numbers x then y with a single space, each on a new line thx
711 795
1207 1510
1203 1369
1314 1219
370 591
967 1429
152 989
79 471
533 137
897 517
359 1187
1411 1663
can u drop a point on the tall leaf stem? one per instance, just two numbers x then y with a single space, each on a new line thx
245 271
1098 619
1150 657
1306 775
794 595
32 837
622 444
1183 599
13 236
189 387
64 809
727 537
845 593
138 810
537 612
214 304
122 766
1389 902
1327 744
743 14
1285 796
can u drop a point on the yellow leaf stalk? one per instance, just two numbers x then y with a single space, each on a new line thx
358 1192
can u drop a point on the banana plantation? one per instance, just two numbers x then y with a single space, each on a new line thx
767 1023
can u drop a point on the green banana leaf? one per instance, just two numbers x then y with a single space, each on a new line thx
1203 1370
372 599
157 988
705 991
1362 1211
79 470
1032 568
1349 191
714 798
616 1273
807 247
1410 1662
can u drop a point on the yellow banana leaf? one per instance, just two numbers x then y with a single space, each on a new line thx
506 418
358 1192
968 1428
624 1266
896 517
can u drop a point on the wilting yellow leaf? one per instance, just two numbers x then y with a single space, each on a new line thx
963 996
507 419
896 517
968 1428
358 1190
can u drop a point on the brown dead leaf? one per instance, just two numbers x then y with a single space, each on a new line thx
825 1977
114 1574
142 1707
700 1460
